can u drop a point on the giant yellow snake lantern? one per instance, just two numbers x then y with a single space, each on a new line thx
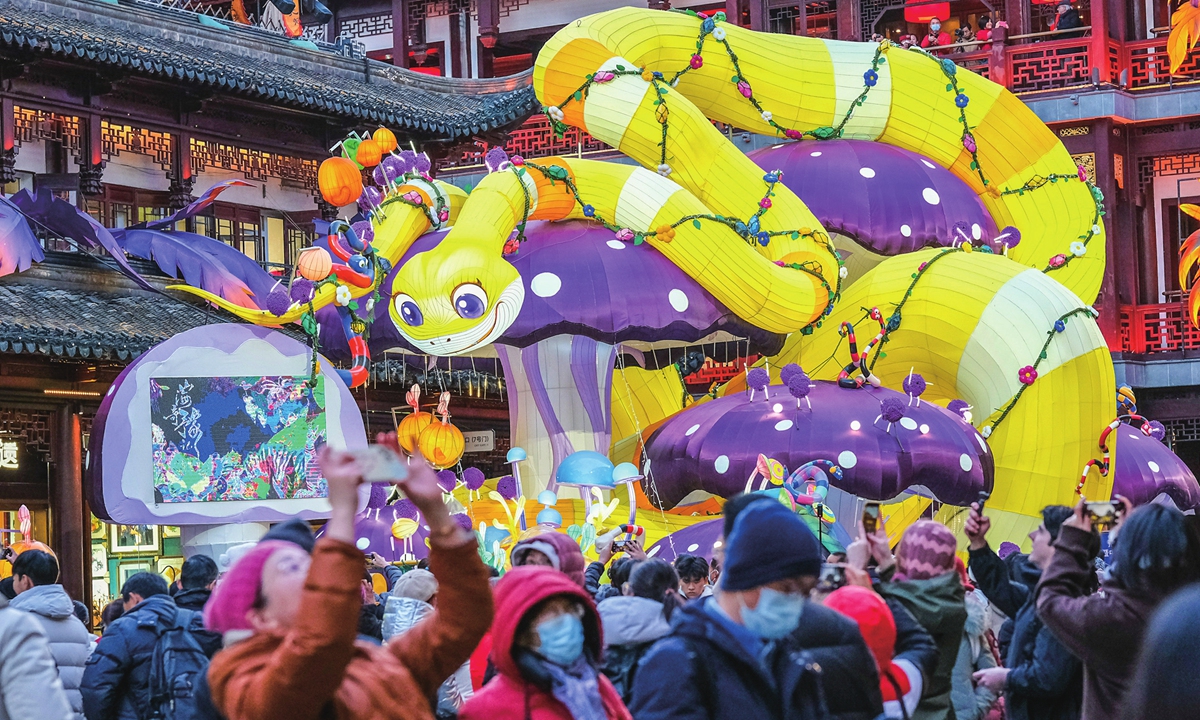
1011 333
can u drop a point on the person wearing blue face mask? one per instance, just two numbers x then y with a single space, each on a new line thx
729 656
546 646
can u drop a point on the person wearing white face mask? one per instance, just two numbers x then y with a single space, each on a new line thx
729 656
935 37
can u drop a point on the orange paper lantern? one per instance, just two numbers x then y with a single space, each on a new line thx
442 444
369 153
410 428
314 264
340 181
386 140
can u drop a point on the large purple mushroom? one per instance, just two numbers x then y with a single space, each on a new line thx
714 446
890 200
1144 468
373 534
699 539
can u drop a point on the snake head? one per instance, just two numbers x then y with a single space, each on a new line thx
453 303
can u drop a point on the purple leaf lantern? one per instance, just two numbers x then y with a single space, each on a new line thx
786 373
507 487
892 409
447 480
406 508
914 384
473 478
422 163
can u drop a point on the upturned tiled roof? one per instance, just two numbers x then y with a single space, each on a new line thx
173 45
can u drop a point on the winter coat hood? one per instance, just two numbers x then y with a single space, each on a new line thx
49 601
194 599
874 619
632 620
560 548
518 592
937 603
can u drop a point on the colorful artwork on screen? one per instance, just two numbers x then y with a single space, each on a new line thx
236 438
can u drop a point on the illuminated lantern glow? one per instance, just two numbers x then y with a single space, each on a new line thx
404 528
314 264
922 14
386 140
369 153
408 432
340 181
442 444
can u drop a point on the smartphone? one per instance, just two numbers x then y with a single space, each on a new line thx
620 545
870 517
380 465
832 577
1103 515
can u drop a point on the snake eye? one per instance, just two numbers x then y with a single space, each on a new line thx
407 308
470 301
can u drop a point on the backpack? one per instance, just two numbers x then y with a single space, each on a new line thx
176 668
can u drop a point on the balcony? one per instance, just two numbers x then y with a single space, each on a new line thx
1157 329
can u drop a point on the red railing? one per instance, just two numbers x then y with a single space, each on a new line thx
715 372
1149 329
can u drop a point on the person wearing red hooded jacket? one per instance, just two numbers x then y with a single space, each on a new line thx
900 681
546 647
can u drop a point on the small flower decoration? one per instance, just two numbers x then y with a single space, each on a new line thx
708 25
664 170
696 62
1059 326
773 176
666 233
764 238
719 34
589 211
443 215
764 203
967 247
625 235
1083 176
1058 260
603 76
986 432
870 78
744 88
1095 229
767 116
921 267
843 272
658 75
1027 375
342 296
647 75
792 134
555 113
1078 249
961 100
968 143
948 67
413 197
511 247
370 308
518 160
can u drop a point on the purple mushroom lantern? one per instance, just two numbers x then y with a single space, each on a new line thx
699 539
883 446
396 532
1144 468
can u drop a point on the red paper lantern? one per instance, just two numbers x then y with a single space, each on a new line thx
916 11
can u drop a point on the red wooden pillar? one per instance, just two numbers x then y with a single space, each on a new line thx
997 61
8 142
1017 14
758 15
400 33
489 32
1099 49
849 21
67 503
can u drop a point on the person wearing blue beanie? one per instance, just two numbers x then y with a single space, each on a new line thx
730 655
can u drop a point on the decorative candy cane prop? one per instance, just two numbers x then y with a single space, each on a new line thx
1103 465
858 361
632 531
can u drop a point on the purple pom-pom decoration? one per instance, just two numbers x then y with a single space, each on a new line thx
507 487
423 164
789 370
406 508
473 478
370 198
495 159
379 175
408 161
301 290
799 385
379 495
364 230
958 407
1158 431
914 385
277 301
393 166
1009 237
892 409
463 520
758 379
961 233
447 480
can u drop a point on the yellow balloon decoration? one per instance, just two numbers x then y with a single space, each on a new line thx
442 444
410 428
404 528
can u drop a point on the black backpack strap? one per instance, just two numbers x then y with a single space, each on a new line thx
158 688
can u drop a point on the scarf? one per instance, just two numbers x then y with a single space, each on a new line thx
578 688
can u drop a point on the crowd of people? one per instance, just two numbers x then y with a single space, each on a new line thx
1086 625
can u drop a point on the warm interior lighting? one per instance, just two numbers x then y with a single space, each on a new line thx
73 393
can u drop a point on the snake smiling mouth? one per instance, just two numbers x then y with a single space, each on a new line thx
505 312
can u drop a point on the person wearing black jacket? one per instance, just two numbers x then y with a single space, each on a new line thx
197 578
1041 679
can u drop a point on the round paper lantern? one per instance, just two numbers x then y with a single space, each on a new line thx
403 528
340 180
924 13
314 264
368 153
386 140
22 545
442 444
410 428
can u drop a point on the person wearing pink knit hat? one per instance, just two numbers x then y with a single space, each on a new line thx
290 619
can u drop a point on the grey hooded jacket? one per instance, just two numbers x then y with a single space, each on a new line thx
29 685
70 642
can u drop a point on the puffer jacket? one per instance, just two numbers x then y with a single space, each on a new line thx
631 625
70 642
563 552
974 653
400 615
29 685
